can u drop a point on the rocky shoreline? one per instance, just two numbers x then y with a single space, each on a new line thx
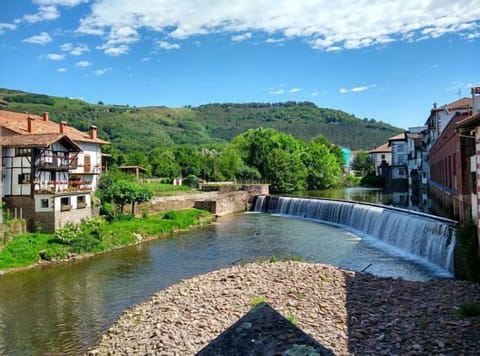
348 312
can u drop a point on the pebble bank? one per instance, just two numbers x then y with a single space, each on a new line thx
348 312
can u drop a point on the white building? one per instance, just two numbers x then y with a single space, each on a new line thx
49 169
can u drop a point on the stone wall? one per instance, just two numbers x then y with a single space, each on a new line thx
25 208
74 216
219 203
11 229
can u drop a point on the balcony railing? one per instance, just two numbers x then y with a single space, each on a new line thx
60 164
59 187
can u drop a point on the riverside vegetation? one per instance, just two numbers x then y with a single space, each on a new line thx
96 236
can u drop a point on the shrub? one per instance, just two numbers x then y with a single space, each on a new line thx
67 234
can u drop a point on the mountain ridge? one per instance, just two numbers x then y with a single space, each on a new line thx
132 129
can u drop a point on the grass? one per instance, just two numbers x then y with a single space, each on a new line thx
29 248
292 319
161 189
257 300
467 310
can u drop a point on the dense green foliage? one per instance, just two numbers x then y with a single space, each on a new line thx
363 163
132 129
94 236
288 163
121 189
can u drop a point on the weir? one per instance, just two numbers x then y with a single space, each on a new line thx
422 236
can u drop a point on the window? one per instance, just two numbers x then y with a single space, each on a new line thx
87 166
24 178
44 203
383 156
65 204
81 203
23 152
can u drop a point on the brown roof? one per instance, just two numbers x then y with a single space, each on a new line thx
385 148
140 168
18 123
470 121
399 137
38 140
463 103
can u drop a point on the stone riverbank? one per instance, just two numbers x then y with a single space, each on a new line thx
348 312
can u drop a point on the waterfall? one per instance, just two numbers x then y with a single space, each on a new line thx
421 236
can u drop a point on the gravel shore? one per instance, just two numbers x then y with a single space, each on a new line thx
348 312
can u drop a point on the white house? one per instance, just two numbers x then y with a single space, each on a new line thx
49 169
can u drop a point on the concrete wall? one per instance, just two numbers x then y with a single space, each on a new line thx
219 203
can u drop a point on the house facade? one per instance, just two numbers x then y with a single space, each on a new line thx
49 170
382 159
399 166
469 129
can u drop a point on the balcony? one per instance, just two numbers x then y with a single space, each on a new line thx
54 163
58 187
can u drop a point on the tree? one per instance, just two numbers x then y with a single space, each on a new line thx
323 167
121 189
285 171
363 163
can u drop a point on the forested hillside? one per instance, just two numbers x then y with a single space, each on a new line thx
132 129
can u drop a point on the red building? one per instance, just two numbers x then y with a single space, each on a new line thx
451 181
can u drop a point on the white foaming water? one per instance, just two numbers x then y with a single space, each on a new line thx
420 236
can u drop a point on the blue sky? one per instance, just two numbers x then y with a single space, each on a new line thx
388 60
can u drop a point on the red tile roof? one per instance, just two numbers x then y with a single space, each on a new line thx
399 137
18 123
385 148
463 103
38 140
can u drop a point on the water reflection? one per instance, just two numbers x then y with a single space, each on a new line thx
65 308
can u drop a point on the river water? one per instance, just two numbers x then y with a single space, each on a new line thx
65 308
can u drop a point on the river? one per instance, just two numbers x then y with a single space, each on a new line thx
65 308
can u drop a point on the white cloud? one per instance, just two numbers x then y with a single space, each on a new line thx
61 70
314 93
294 90
275 40
43 38
6 26
55 57
145 59
167 45
83 64
74 50
277 92
45 13
356 89
323 24
242 37
114 51
101 71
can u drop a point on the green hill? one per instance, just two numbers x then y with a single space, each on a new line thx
141 129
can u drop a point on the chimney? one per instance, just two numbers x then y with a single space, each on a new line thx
31 124
93 132
63 125
475 100
45 116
